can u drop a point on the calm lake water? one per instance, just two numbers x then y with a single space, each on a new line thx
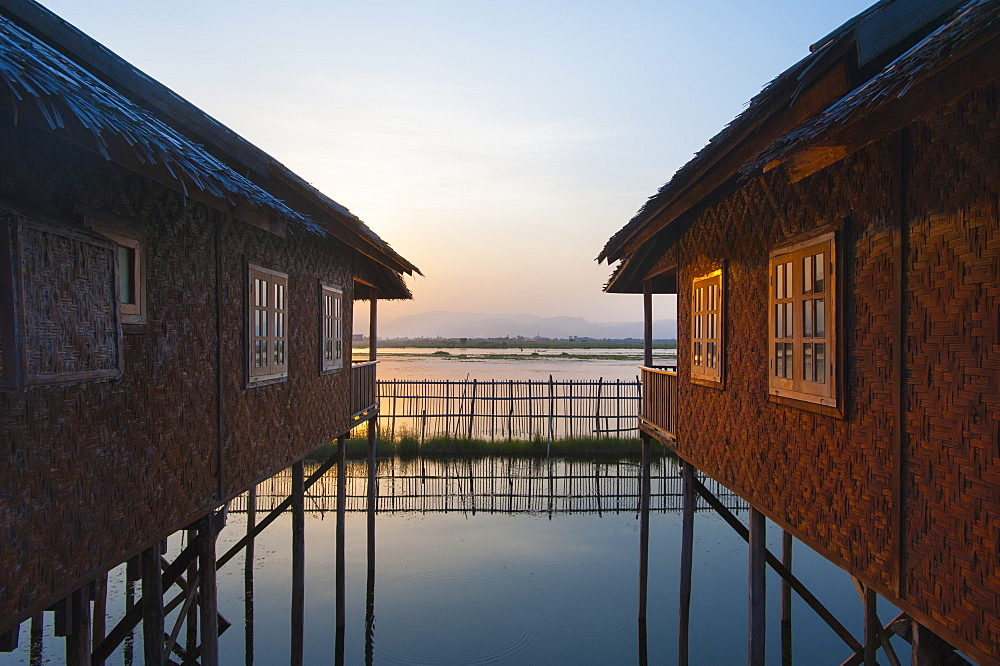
498 561
410 363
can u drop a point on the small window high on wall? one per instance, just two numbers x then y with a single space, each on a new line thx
706 329
331 328
131 263
802 340
268 334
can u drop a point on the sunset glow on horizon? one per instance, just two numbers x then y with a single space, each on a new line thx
495 145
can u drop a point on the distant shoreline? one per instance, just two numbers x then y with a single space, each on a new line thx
513 343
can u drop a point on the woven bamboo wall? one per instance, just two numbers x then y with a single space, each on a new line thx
93 471
268 426
952 471
830 479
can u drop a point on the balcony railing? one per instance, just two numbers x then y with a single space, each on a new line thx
363 389
659 400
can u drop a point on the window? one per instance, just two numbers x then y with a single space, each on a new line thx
802 307
59 318
131 270
706 328
268 336
331 328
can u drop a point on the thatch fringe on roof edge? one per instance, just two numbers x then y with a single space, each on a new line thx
970 23
33 70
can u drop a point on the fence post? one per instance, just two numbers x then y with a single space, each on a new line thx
472 408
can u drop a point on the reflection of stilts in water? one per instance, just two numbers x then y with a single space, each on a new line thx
248 614
497 485
372 503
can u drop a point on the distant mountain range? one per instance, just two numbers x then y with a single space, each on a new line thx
478 325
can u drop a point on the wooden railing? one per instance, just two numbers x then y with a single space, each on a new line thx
363 389
659 399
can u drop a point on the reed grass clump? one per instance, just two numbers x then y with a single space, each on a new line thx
407 445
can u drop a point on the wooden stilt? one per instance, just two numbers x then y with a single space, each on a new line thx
372 507
248 616
872 626
341 522
687 547
757 628
100 614
644 528
786 601
643 649
35 647
78 641
128 635
208 592
647 322
776 565
298 563
191 643
63 617
152 606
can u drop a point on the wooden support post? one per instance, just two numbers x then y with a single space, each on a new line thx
208 592
776 565
298 563
373 325
78 641
644 528
928 648
152 606
35 647
647 323
786 600
100 614
758 607
372 507
128 636
341 522
687 547
191 643
872 626
62 617
248 615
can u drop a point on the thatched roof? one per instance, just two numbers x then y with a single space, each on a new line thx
82 88
969 23
64 93
974 21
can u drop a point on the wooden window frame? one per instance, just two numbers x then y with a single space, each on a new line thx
792 301
707 329
331 328
130 313
267 345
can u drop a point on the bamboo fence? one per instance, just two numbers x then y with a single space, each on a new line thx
493 485
510 409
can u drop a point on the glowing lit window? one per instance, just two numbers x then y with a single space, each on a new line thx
268 334
331 328
802 304
706 327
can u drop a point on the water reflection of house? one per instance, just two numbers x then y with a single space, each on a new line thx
835 252
175 305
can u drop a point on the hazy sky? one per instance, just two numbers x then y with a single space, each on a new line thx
497 145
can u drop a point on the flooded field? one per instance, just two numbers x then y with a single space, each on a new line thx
515 363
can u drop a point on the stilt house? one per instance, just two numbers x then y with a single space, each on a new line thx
175 312
835 253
